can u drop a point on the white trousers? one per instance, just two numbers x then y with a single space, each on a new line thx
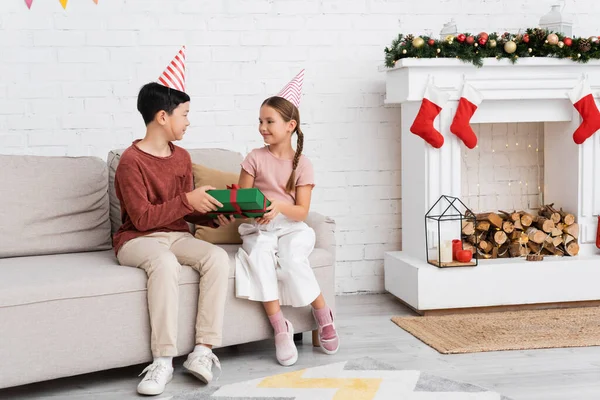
272 263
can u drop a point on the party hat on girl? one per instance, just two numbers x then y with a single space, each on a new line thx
292 92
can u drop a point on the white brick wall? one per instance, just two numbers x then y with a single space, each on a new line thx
506 169
70 78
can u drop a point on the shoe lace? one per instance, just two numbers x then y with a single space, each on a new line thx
207 360
155 371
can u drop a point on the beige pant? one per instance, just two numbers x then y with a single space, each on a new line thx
161 255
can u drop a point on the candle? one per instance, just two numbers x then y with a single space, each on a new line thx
446 251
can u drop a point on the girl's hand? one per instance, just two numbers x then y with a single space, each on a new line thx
272 212
223 220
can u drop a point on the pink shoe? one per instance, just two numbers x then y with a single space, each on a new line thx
285 349
328 337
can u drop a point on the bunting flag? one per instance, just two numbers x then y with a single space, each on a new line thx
63 3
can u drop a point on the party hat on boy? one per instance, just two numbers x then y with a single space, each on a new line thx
292 92
174 75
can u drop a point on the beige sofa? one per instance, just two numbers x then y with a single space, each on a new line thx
66 306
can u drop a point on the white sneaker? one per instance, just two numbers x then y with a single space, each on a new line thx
157 376
199 364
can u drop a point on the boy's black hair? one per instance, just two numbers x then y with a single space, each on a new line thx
154 97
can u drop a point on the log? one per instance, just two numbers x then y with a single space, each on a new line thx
517 224
572 229
535 235
534 247
550 213
535 257
491 217
503 251
483 226
468 228
508 226
515 217
544 224
567 218
553 249
526 219
567 238
572 248
469 246
517 250
499 238
560 226
556 232
557 241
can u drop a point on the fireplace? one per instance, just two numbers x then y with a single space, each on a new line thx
533 91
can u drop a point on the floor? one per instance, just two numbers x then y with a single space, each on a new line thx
366 330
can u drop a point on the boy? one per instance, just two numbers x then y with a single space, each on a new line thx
154 184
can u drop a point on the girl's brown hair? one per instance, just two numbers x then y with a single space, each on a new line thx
288 112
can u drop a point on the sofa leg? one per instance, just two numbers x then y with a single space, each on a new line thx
315 338
298 337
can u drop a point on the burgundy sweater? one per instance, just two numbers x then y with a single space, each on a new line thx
152 191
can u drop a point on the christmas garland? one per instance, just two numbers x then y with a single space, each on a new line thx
536 42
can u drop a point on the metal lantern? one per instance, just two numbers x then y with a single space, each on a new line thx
444 224
555 21
448 29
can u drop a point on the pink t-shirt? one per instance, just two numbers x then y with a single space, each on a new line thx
272 173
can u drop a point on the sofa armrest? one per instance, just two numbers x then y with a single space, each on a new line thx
324 228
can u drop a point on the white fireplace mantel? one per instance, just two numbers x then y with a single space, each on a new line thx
532 90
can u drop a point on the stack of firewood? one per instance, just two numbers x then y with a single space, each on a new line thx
518 233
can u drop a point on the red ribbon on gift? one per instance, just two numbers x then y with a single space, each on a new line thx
233 199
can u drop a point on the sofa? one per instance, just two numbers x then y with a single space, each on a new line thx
66 306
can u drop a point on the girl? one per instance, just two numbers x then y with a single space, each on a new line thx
272 266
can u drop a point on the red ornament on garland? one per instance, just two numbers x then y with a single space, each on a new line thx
470 40
431 42
568 41
482 41
461 37
483 36
526 38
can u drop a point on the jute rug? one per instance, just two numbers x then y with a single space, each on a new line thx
360 379
514 330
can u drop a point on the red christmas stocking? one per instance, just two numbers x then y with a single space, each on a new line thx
584 103
433 102
598 234
469 100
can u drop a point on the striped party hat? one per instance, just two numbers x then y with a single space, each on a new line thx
174 75
293 90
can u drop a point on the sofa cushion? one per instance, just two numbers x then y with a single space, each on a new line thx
204 176
29 280
220 159
52 205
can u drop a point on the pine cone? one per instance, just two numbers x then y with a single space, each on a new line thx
585 45
540 34
409 37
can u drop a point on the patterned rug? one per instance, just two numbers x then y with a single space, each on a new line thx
361 379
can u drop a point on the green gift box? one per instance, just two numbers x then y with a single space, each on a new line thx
241 203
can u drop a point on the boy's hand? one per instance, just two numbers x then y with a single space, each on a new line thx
202 201
224 221
272 212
